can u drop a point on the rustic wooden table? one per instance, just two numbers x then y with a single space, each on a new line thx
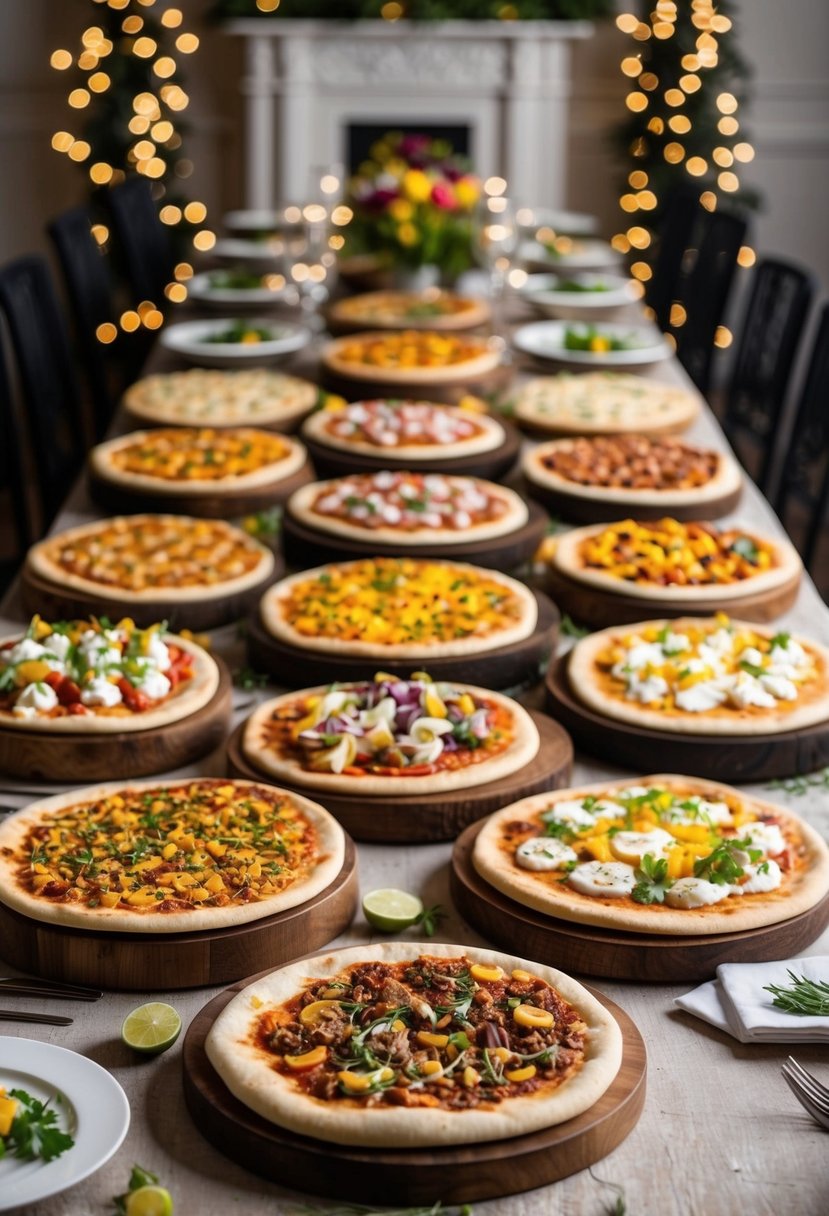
720 1134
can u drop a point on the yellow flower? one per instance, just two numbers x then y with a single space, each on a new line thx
417 186
407 234
401 210
467 192
396 166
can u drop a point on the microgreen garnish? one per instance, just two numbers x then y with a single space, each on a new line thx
720 865
570 629
802 783
33 1132
430 919
745 547
806 998
250 680
652 880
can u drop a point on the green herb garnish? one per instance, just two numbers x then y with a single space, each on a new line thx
652 880
806 998
34 1132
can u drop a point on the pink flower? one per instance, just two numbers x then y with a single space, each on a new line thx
443 196
379 199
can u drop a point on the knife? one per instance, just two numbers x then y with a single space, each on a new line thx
43 1019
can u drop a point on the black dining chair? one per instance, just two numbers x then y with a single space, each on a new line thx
55 426
674 239
142 242
772 326
17 531
804 478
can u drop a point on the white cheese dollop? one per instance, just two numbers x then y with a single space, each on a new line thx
153 683
792 653
37 697
25 649
96 650
603 878
765 836
633 846
780 687
695 893
703 812
746 691
573 812
99 691
762 876
700 697
158 652
543 853
643 653
675 643
57 644
652 688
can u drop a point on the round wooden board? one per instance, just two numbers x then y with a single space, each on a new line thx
121 499
578 510
507 667
735 760
418 818
149 962
334 462
453 1174
614 954
597 608
305 547
353 389
55 602
81 759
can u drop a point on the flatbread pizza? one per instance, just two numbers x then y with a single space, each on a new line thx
409 508
421 357
142 558
604 403
703 676
167 856
409 431
390 736
431 309
91 677
428 1044
662 854
212 397
665 559
401 608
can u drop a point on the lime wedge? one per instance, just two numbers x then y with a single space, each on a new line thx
151 1029
150 1200
389 909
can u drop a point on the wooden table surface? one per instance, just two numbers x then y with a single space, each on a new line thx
720 1135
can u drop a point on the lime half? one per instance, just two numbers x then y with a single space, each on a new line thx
151 1029
150 1200
389 909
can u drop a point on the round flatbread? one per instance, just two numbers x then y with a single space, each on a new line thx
431 309
167 856
188 461
420 357
82 678
400 608
661 854
387 737
665 560
261 1041
141 558
405 430
211 397
702 676
390 508
630 471
604 403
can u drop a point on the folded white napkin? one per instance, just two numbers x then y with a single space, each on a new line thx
737 1003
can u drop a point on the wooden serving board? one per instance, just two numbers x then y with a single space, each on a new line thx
615 954
497 380
452 1174
578 510
81 759
597 608
334 462
230 504
420 818
735 760
506 667
305 547
147 962
56 602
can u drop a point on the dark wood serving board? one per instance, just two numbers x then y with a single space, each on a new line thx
54 601
305 547
80 759
735 760
229 504
506 667
615 954
578 510
420 818
147 962
597 608
451 1174
335 462
495 381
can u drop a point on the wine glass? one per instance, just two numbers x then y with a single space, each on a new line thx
495 236
310 262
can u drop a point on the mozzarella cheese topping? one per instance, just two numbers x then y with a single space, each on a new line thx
539 853
388 425
205 395
410 502
596 399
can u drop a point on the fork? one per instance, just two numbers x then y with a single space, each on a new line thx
809 1092
41 1019
22 985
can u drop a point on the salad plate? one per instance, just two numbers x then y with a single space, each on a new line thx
91 1107
234 342
570 253
236 286
573 223
265 251
602 345
583 294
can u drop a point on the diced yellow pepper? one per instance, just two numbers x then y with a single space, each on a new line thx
8 1110
308 1059
110 899
531 1015
430 1067
521 1074
487 975
431 1040
309 1015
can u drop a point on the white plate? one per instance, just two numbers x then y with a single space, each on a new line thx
572 223
187 339
200 288
256 221
545 340
93 1109
541 290
585 254
265 253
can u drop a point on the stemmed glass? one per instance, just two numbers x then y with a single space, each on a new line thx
495 235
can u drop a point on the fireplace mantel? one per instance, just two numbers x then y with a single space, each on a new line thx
508 82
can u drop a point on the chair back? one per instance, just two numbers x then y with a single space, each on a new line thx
805 472
17 530
142 240
54 423
781 295
674 240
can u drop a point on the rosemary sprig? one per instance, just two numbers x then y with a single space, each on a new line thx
802 783
569 629
806 998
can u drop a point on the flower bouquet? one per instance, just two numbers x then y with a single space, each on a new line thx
412 201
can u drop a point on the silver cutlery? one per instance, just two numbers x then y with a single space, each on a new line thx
20 985
43 1019
810 1093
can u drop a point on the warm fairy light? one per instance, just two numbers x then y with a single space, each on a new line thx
61 60
144 148
176 292
669 338
728 126
620 242
336 241
155 167
646 200
91 37
674 97
138 125
627 23
187 43
100 173
632 65
743 152
673 153
723 337
172 18
183 271
678 316
62 141
628 202
79 98
79 150
708 200
131 25
99 82
164 67
204 240
723 157
639 237
144 47
697 166
342 215
106 333
728 181
130 320
100 232
636 102
267 6
726 103
144 103
690 83
641 270
195 213
746 257
638 179
87 60
495 186
162 131
680 124
392 11
152 319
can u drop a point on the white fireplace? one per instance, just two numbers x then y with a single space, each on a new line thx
315 91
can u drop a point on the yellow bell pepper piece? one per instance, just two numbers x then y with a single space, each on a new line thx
308 1059
530 1015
